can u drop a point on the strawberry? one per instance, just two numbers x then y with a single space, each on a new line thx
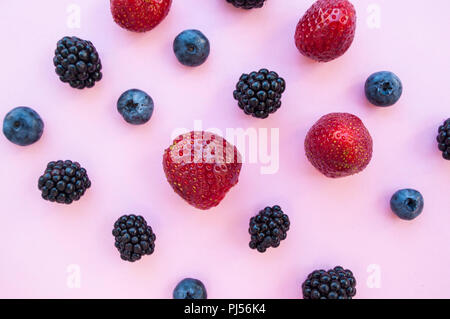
139 15
339 145
326 30
201 167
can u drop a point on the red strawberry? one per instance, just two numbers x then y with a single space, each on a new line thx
326 30
201 167
339 145
139 15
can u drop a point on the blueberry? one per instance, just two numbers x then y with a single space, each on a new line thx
407 204
383 88
191 48
135 106
190 288
23 126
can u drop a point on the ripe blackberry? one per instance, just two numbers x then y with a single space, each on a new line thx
259 93
247 4
444 139
63 182
77 62
134 238
268 228
335 283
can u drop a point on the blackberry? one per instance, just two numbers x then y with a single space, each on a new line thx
247 4
335 283
63 182
268 228
259 93
77 62
134 238
444 139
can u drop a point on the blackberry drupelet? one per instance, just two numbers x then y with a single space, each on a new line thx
259 93
247 4
443 139
63 182
335 283
268 228
134 238
77 62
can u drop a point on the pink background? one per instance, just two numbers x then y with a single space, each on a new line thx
345 221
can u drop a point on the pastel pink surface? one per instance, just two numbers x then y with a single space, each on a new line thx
344 222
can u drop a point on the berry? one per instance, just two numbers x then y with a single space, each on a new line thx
339 145
77 62
191 47
139 15
247 4
443 139
268 228
135 106
259 93
23 126
327 29
63 182
202 167
383 88
134 238
407 204
190 288
335 283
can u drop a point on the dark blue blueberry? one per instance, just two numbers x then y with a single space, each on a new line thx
247 4
407 204
190 288
191 48
135 106
383 88
23 126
